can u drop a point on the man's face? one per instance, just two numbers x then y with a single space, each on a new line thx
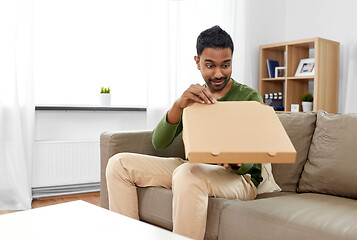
215 65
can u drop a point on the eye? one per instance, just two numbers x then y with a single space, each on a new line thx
209 66
226 65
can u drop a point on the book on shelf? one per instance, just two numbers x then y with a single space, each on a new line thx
272 64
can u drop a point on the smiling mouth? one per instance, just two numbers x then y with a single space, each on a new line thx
217 81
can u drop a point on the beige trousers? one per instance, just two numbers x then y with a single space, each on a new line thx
191 184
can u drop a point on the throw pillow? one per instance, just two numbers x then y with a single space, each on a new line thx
332 160
300 128
268 184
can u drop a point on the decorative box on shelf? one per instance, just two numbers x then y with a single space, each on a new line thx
274 100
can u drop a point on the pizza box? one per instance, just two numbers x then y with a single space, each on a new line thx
235 132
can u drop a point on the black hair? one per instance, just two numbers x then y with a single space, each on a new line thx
214 37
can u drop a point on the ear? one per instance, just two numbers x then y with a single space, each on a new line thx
197 60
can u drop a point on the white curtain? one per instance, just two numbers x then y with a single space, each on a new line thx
16 104
348 76
173 46
158 86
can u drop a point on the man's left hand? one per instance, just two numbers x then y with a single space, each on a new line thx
229 166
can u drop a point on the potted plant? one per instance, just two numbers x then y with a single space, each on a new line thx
105 97
307 100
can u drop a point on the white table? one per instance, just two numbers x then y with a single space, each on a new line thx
77 220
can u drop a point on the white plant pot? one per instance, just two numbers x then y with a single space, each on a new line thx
306 106
105 99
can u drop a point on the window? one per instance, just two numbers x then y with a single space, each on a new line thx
83 45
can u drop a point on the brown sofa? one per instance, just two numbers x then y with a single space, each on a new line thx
319 191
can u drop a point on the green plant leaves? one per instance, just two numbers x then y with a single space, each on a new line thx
307 97
105 90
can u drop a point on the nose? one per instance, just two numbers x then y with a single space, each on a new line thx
218 73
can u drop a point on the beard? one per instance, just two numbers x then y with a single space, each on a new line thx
217 84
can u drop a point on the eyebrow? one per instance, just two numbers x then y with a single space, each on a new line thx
225 61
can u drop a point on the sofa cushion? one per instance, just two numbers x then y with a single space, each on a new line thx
268 184
332 161
273 194
155 207
295 216
300 128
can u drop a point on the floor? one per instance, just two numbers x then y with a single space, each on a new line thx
93 198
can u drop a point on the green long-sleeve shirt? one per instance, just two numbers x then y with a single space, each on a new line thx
165 133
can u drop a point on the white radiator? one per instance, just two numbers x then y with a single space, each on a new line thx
62 164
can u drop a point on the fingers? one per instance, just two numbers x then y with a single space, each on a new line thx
228 166
195 98
196 93
200 94
204 94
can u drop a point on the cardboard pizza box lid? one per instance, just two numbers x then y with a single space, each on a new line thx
235 132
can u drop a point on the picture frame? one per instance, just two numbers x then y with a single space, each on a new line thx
306 67
279 72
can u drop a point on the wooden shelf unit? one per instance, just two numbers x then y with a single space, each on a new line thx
289 54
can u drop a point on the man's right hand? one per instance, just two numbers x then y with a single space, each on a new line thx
195 93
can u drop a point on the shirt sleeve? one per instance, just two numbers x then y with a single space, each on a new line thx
253 169
255 96
244 169
165 133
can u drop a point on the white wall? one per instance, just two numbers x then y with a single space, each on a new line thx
264 24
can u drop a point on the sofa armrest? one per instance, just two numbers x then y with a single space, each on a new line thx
112 143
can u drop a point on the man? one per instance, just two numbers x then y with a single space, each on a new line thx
192 184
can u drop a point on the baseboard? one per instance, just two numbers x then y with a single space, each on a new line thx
53 191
